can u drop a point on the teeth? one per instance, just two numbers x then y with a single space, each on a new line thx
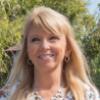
46 55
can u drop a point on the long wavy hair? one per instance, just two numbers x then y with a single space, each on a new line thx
75 73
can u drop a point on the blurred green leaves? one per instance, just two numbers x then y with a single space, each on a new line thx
87 30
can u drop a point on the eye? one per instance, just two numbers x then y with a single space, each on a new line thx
35 39
53 38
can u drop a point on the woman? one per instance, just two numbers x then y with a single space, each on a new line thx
50 65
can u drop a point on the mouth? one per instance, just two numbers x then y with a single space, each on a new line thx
46 56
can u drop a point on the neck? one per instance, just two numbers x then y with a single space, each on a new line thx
48 81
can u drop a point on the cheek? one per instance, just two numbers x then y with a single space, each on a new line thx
30 51
61 51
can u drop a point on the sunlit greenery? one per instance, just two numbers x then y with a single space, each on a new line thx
87 29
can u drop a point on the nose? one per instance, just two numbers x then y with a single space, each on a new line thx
45 45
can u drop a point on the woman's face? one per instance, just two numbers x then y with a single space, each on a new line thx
46 50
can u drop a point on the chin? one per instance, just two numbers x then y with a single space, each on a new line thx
48 67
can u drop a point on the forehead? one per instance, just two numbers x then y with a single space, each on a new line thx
42 31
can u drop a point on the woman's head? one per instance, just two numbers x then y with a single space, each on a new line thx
46 33
45 20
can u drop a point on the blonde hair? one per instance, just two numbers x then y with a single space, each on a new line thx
75 72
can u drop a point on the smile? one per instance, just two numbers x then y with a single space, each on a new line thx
46 56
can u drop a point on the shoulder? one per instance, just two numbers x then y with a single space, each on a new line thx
4 93
7 91
91 93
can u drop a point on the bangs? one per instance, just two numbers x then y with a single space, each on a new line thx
49 20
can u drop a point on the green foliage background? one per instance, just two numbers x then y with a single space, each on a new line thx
87 29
